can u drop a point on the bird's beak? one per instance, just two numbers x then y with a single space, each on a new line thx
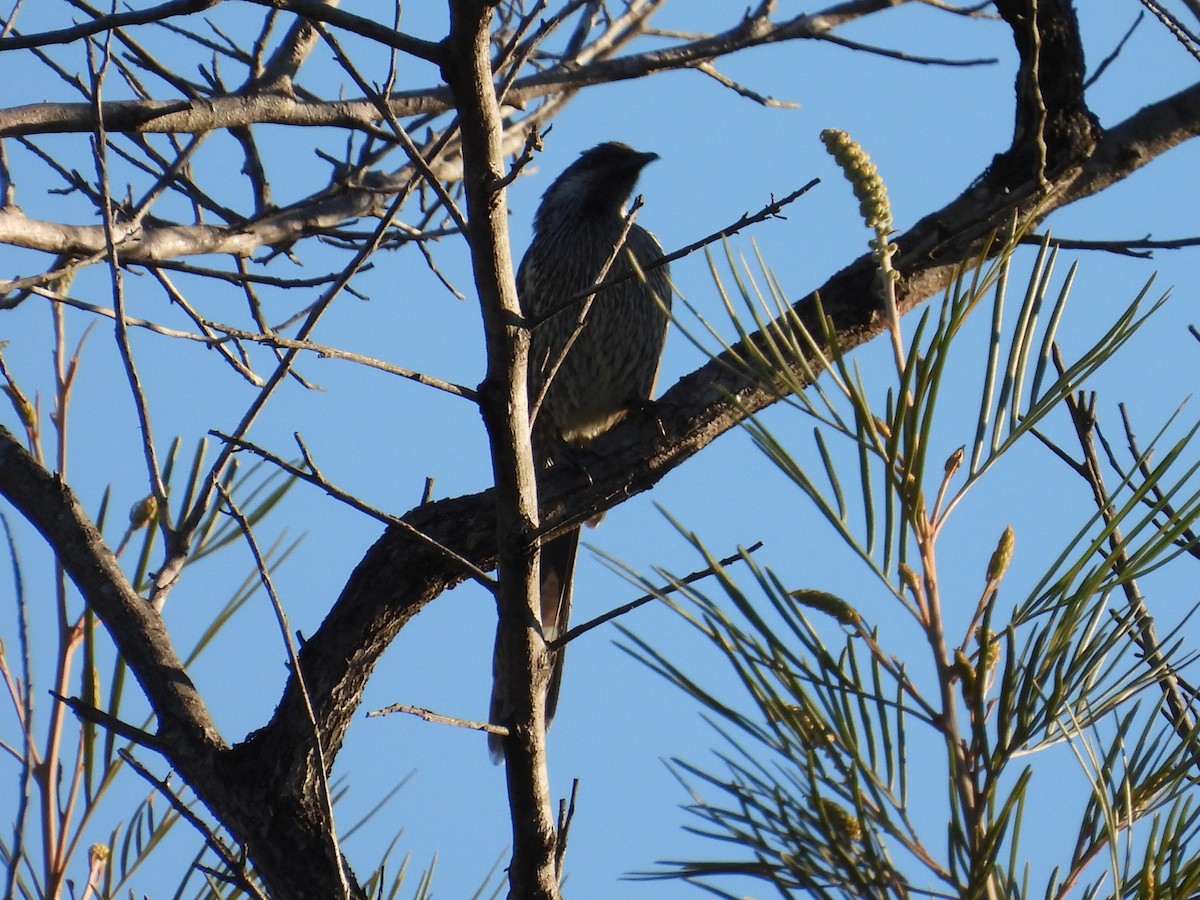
644 159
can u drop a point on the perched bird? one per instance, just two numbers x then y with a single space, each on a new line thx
611 356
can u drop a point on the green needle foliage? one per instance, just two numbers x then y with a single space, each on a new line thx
70 830
126 835
88 758
843 738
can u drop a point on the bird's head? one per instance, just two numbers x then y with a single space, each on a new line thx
599 182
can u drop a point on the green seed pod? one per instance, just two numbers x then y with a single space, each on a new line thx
143 512
966 671
25 410
1002 556
954 461
828 603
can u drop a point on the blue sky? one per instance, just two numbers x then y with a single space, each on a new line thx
929 129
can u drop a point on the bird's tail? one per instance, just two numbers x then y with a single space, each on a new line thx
557 576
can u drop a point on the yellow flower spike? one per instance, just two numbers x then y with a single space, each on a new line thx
989 649
876 210
813 729
869 189
840 818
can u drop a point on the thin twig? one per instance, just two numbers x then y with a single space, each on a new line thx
658 593
763 100
1174 24
385 110
770 211
318 480
1112 57
430 716
125 349
210 837
831 38
566 815
110 722
241 277
108 23
193 518
1139 620
1139 247
24 710
1187 540
533 142
323 764
180 300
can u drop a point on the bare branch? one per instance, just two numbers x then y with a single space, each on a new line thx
657 594
712 72
324 350
908 57
314 477
237 868
109 722
325 762
430 716
504 405
265 107
107 23
1140 247
318 10
770 211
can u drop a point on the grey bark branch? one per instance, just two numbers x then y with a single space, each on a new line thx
532 873
149 242
277 108
320 10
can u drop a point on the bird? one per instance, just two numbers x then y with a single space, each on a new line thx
611 357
